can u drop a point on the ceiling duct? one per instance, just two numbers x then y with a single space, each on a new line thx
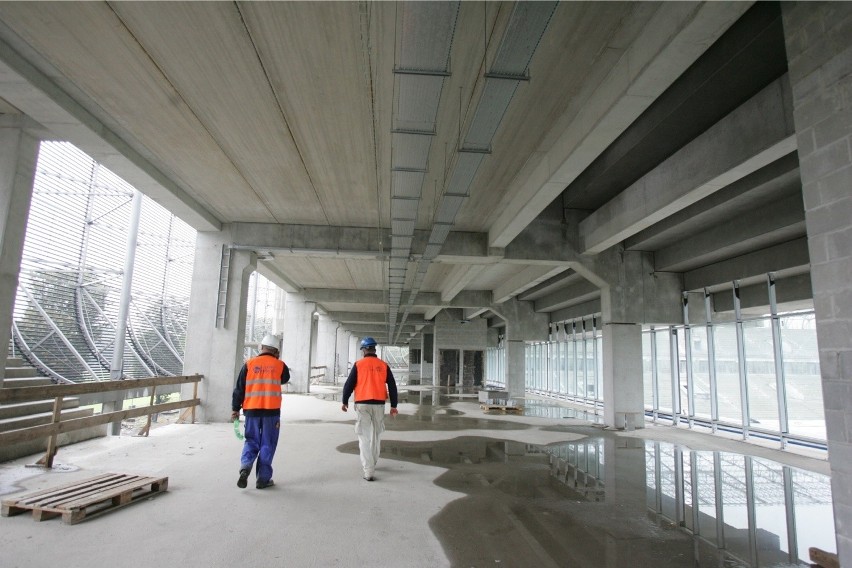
524 31
428 29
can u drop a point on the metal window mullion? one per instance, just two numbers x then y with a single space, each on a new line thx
750 508
585 366
720 510
711 362
680 502
658 476
741 360
687 347
790 508
693 477
595 359
674 363
655 389
780 379
574 348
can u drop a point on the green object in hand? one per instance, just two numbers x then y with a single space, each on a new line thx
237 432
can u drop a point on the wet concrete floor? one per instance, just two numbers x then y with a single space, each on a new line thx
607 500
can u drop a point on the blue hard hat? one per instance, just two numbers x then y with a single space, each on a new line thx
368 342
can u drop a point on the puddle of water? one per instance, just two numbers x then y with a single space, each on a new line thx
613 501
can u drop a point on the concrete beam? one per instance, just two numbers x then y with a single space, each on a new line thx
547 239
355 242
771 179
794 289
465 299
524 280
579 293
779 221
668 44
271 273
459 278
789 256
577 311
370 317
38 96
754 135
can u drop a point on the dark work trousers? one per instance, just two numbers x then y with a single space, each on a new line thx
261 441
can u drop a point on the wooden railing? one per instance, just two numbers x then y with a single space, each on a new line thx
58 392
318 374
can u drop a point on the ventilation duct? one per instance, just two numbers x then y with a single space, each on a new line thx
527 25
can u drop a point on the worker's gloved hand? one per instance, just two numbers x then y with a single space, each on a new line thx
235 414
344 407
394 412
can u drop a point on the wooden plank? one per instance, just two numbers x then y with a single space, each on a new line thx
44 430
85 499
822 558
25 394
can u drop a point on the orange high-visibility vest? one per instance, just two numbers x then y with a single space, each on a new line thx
263 383
372 379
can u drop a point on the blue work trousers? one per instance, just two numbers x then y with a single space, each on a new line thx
261 441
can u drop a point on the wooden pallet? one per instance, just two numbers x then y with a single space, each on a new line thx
505 409
86 499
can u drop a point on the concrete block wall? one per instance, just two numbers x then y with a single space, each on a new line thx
818 38
450 333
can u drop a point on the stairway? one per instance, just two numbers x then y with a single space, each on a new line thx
34 413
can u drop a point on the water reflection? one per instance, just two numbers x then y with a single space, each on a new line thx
764 513
619 501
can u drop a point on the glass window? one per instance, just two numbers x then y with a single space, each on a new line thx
805 410
648 369
664 370
760 374
700 371
727 373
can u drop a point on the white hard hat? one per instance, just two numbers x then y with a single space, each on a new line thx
270 340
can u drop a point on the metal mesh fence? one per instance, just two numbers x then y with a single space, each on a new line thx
71 275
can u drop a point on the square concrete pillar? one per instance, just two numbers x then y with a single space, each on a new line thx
819 54
18 156
214 347
298 341
624 406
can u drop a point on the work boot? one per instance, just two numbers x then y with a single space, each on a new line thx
242 482
264 484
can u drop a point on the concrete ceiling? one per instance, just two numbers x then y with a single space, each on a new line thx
282 121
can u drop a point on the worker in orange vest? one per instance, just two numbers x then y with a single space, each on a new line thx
258 392
372 381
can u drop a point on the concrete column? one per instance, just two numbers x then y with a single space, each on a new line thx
622 365
632 294
819 53
343 339
427 365
522 324
353 352
297 344
278 309
18 156
326 343
215 349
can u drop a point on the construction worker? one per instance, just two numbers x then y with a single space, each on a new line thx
258 392
372 381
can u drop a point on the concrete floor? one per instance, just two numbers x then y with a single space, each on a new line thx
455 487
